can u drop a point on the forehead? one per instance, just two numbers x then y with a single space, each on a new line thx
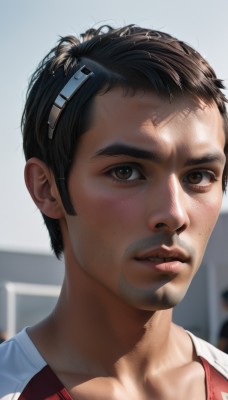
147 107
144 118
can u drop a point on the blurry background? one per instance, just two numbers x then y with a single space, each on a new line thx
28 29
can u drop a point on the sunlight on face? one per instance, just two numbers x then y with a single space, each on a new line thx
147 188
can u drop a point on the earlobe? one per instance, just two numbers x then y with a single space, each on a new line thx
42 188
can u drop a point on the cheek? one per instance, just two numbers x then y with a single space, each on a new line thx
110 208
206 215
105 224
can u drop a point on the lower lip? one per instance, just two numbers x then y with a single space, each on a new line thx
173 267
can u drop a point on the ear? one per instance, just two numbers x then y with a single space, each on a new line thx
41 185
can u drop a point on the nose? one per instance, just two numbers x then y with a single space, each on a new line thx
169 209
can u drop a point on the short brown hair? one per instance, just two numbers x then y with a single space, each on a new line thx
133 57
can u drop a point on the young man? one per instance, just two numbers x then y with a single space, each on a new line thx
125 139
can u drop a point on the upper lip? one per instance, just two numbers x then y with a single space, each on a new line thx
174 253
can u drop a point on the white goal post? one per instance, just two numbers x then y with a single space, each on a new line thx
9 299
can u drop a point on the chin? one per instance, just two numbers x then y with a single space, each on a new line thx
163 298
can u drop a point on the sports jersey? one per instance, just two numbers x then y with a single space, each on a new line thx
24 374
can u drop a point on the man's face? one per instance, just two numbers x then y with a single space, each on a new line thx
146 185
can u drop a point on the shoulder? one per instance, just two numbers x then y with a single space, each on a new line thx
211 354
19 362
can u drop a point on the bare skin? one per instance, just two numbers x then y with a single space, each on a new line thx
142 225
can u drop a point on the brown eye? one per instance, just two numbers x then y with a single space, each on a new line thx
123 172
200 178
195 177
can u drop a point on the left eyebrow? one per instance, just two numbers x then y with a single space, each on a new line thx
207 158
118 149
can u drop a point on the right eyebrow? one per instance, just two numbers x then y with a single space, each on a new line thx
118 149
207 158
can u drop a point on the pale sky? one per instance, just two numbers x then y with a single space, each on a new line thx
28 30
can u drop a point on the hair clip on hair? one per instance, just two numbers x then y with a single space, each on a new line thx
72 86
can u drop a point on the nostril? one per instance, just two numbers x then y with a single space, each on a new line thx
160 225
181 229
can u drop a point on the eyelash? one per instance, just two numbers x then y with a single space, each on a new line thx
134 168
209 175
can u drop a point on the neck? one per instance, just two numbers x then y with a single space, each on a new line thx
105 332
